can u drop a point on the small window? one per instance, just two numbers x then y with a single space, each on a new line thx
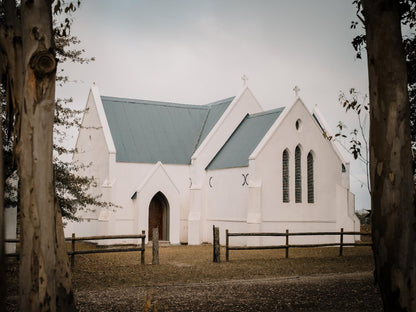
298 125
343 168
285 176
298 176
311 194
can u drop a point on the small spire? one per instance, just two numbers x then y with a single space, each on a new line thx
296 89
244 78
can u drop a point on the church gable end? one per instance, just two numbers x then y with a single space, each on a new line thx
237 149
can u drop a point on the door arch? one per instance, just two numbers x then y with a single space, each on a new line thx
159 216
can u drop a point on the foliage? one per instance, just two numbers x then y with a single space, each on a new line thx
352 103
71 188
358 137
364 216
408 19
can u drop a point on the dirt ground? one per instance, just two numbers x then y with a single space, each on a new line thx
186 279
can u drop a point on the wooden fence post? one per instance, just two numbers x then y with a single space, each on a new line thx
155 245
73 250
287 243
227 252
213 243
143 248
217 249
341 241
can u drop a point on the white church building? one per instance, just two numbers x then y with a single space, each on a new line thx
184 168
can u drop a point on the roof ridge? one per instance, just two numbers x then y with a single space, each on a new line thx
201 131
220 101
150 102
271 111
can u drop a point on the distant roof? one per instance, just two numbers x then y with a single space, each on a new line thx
244 140
149 131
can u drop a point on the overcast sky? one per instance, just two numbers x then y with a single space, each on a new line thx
195 52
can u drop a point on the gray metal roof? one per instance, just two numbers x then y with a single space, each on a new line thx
244 140
149 131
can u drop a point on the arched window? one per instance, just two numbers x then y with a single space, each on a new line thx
285 176
298 176
310 179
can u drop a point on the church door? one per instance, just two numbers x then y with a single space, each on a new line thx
158 216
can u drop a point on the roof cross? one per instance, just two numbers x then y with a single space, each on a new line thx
244 78
296 89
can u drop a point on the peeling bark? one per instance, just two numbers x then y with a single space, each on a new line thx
393 195
27 41
2 226
64 293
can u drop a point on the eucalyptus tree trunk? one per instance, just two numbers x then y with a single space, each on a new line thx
393 191
2 228
27 41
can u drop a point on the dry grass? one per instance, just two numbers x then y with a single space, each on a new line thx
193 264
257 280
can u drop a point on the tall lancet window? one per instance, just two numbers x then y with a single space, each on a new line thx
285 176
311 196
298 176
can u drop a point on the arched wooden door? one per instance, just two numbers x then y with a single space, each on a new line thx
159 216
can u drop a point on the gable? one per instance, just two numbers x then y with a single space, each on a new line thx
245 103
149 131
238 148
292 112
94 126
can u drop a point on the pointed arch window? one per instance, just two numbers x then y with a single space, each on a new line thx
298 176
285 176
311 194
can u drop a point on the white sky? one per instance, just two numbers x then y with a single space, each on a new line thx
195 52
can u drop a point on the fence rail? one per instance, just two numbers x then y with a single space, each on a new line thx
341 243
74 239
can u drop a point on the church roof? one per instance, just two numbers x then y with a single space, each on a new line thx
149 131
244 140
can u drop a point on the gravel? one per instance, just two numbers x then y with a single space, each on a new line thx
187 280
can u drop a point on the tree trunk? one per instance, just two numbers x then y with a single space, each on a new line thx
45 282
2 229
393 192
64 294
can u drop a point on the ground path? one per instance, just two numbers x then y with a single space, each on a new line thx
319 292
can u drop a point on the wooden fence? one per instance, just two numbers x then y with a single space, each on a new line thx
341 243
74 239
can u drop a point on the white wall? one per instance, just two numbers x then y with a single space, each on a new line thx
323 214
242 105
226 200
158 180
92 151
259 206
130 216
199 199
10 221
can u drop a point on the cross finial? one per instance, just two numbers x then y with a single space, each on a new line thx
296 89
244 78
